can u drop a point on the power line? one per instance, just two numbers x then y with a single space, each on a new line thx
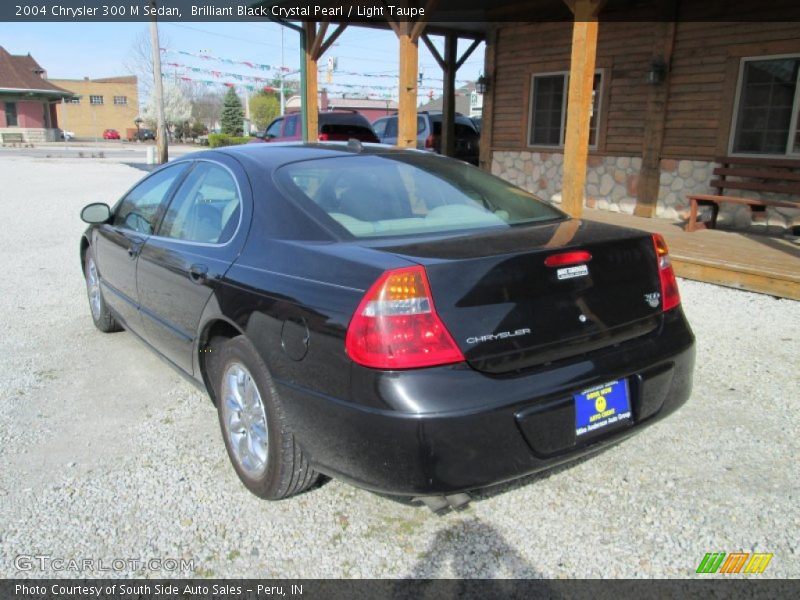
222 35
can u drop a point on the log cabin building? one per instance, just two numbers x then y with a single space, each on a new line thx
670 101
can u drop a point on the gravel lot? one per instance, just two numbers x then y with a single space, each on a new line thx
107 453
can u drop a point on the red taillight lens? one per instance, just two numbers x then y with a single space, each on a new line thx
429 142
670 296
323 137
567 258
396 325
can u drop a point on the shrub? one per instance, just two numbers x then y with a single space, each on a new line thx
217 140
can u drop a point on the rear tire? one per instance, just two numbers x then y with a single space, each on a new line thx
262 449
102 317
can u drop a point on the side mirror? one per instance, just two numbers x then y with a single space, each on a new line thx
260 135
96 213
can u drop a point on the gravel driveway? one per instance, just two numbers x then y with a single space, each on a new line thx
108 454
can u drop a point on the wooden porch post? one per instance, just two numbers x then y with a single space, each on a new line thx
311 100
656 115
487 112
314 45
449 96
579 103
407 104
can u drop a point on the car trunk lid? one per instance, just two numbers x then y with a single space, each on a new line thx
520 297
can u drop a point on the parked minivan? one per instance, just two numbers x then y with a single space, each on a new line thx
429 134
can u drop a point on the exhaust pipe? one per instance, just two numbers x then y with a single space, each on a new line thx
439 504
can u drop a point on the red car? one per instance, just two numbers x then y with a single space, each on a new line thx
334 126
111 134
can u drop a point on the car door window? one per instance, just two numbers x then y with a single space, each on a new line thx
274 130
205 208
139 210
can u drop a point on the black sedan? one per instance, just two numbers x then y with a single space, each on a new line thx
396 319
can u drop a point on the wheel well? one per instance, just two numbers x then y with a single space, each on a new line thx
216 333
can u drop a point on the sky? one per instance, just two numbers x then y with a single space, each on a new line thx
77 50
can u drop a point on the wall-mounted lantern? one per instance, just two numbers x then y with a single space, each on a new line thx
657 72
482 85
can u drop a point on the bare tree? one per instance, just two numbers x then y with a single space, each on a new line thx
140 60
207 106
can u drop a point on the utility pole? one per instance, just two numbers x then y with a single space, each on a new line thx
283 102
158 89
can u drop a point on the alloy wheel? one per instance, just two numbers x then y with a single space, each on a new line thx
245 420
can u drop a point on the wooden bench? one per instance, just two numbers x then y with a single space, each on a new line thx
780 176
12 138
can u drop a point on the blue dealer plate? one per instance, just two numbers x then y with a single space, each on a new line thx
602 407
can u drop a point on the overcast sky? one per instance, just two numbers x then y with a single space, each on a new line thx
77 50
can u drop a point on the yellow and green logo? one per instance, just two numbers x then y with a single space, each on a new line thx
735 562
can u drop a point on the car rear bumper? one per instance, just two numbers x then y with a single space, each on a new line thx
450 429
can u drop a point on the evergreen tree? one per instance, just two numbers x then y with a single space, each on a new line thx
232 113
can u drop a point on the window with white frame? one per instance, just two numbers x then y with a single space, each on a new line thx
548 109
121 100
95 99
75 100
767 106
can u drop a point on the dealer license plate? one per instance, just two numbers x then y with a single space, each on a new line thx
602 408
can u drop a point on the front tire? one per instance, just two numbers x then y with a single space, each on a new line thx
263 451
102 317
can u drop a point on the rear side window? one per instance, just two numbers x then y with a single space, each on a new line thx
290 129
379 127
382 195
391 128
205 208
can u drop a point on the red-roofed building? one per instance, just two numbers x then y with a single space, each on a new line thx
27 100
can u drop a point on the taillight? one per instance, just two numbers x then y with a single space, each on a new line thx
670 296
567 258
323 137
396 326
429 142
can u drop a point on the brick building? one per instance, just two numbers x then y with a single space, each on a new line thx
99 104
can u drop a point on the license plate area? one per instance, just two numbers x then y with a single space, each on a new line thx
602 408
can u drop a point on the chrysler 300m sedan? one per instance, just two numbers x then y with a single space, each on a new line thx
399 320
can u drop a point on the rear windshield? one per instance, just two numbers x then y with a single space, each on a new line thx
401 194
351 130
461 129
342 118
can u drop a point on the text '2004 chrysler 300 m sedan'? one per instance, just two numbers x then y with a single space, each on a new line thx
400 320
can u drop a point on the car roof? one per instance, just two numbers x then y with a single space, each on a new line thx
435 117
276 154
